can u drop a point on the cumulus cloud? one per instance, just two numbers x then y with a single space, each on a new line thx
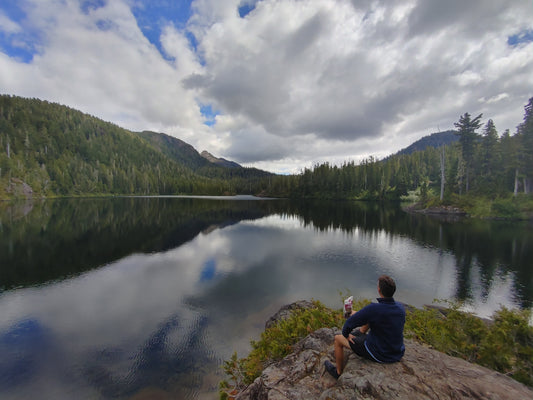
98 60
7 26
358 77
341 72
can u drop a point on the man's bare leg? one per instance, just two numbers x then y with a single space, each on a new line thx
340 343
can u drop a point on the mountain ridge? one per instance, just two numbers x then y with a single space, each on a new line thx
219 161
435 140
49 149
58 151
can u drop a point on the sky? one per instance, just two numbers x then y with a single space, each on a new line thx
280 85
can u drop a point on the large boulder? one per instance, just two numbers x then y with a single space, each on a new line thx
423 373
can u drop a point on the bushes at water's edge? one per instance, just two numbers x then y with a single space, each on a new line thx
275 343
506 345
518 207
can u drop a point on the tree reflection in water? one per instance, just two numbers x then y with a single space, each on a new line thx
144 305
42 241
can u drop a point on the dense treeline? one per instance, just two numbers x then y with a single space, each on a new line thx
50 149
54 150
479 163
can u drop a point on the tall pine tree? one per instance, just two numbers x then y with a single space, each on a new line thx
489 158
468 138
525 131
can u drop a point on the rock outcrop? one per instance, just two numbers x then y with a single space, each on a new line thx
423 373
18 188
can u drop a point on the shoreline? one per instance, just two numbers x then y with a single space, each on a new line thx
455 213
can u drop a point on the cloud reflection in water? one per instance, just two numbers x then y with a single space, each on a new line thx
167 318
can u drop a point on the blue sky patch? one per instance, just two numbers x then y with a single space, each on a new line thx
21 44
522 37
192 40
89 5
13 9
15 47
246 8
209 114
153 16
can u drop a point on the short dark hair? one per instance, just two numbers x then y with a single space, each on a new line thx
387 286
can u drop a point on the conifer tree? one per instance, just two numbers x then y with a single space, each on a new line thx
489 158
510 161
525 131
468 140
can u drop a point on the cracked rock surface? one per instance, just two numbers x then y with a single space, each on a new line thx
423 373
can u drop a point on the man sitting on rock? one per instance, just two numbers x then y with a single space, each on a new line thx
385 319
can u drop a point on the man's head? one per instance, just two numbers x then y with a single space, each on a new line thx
386 286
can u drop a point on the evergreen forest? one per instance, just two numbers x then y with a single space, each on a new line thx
480 163
47 150
53 150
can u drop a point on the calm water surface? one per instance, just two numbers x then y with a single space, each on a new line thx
125 297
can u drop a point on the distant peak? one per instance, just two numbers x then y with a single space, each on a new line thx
219 161
208 156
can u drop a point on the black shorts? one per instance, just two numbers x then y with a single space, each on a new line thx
358 347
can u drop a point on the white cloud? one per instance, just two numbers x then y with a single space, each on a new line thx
494 99
7 25
101 63
295 82
330 71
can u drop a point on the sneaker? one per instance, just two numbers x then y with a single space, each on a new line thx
332 369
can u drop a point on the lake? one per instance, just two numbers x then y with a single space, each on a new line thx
116 298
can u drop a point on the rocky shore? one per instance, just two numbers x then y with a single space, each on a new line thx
442 212
423 373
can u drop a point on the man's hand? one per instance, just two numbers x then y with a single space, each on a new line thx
351 338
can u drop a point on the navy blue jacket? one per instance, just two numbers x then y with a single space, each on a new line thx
386 319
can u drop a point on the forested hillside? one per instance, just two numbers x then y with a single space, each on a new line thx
438 139
48 149
479 163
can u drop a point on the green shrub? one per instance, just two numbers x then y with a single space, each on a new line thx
412 196
508 346
276 342
506 208
519 207
433 201
453 332
504 345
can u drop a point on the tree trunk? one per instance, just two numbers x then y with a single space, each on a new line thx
467 180
442 174
515 192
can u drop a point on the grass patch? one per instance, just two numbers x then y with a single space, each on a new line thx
505 345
